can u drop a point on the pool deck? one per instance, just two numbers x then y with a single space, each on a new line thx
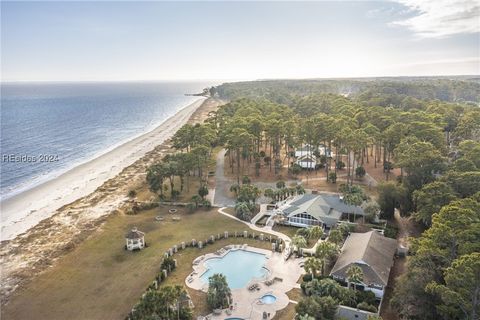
283 276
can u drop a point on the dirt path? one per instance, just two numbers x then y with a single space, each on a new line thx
407 228
222 183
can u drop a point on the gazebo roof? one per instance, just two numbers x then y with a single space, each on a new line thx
134 234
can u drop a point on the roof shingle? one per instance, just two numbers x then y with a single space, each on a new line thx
372 252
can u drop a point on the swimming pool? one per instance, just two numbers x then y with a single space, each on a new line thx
238 266
268 299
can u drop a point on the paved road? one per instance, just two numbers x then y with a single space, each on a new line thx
221 197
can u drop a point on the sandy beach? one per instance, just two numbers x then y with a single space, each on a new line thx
27 209
53 218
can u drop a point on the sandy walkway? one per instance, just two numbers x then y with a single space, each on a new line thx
52 232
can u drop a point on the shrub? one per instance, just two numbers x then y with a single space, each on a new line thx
367 307
168 264
146 205
203 191
132 193
333 177
390 231
366 296
387 166
340 165
307 277
243 211
191 207
257 167
319 166
295 169
207 204
360 172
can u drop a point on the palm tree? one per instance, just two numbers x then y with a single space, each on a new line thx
196 199
306 317
299 242
315 232
344 229
219 294
336 237
269 193
312 265
325 251
353 199
354 275
325 287
299 189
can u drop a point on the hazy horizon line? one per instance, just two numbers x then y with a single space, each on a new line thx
238 80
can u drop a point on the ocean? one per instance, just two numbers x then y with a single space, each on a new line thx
49 128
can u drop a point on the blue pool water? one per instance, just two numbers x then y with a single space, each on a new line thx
238 266
269 299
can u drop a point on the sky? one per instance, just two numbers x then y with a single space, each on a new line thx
116 41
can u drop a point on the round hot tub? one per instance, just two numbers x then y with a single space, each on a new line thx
268 299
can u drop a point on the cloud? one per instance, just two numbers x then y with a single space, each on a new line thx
441 18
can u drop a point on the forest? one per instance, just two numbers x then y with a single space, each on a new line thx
425 129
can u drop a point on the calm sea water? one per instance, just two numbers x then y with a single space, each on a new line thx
47 129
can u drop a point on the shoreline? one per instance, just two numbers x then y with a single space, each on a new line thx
56 173
25 210
30 253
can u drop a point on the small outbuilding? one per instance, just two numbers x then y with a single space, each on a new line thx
135 240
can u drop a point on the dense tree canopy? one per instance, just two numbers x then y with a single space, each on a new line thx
424 130
446 248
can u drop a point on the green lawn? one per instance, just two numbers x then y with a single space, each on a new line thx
100 280
288 230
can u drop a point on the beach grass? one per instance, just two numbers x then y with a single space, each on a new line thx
100 280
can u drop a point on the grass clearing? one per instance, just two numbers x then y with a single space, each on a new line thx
295 294
287 313
100 280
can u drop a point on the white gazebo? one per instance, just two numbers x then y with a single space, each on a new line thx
135 240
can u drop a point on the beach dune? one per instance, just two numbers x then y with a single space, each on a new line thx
27 209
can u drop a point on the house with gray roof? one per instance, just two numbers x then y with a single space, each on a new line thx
324 210
373 253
